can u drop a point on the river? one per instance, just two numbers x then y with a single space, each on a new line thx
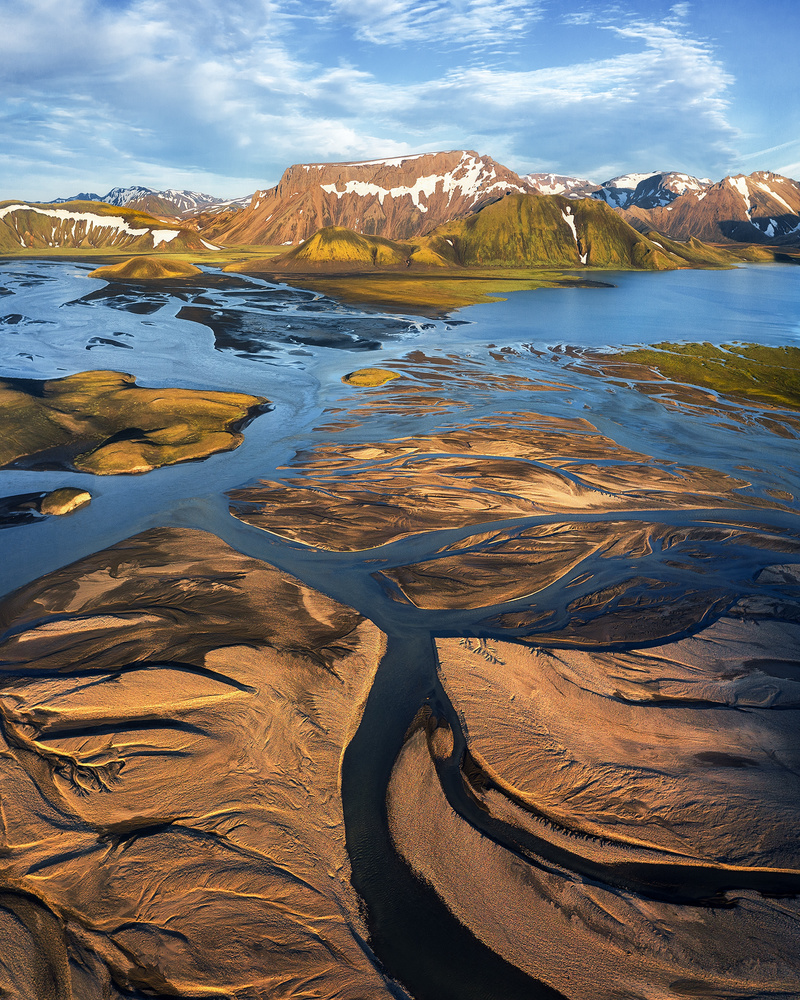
515 381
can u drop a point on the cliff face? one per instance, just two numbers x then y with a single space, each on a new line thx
759 208
398 198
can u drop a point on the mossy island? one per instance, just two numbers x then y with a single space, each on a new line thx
147 268
102 422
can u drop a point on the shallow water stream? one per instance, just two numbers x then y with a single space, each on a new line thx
562 509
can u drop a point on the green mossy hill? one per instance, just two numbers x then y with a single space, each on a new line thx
370 377
337 245
516 231
89 225
537 231
64 501
146 268
744 371
102 422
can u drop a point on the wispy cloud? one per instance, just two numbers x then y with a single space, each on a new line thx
149 90
462 23
771 149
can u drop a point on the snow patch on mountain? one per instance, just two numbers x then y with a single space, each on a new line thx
394 161
470 178
569 187
94 223
740 184
567 216
164 236
628 180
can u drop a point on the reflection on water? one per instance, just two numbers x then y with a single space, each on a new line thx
486 677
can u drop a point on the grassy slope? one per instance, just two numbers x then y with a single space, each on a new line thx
432 293
38 231
338 245
146 268
532 230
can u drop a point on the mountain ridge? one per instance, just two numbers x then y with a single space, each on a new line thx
169 203
518 230
404 197
397 197
89 225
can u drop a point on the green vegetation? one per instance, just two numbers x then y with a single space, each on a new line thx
146 268
369 377
64 501
742 371
102 422
339 245
428 293
541 231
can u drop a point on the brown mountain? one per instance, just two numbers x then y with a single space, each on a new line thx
759 208
398 198
516 230
570 187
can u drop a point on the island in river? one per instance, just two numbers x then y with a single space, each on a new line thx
476 674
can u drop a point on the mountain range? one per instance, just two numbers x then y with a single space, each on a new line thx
403 198
169 203
406 197
398 198
516 230
762 207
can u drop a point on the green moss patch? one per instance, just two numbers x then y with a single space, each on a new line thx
744 371
147 268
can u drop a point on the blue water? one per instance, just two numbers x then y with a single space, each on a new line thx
294 346
516 356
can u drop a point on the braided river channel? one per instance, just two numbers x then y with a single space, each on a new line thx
480 683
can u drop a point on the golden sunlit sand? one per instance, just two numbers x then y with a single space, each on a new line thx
252 684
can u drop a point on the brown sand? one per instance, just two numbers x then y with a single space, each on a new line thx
171 817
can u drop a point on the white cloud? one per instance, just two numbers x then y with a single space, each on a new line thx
771 149
789 170
224 93
463 23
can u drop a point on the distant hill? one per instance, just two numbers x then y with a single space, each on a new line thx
643 190
398 198
570 187
762 207
517 230
85 224
170 203
649 190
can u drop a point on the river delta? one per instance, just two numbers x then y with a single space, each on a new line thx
481 681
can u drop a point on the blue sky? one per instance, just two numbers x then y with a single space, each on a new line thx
222 96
